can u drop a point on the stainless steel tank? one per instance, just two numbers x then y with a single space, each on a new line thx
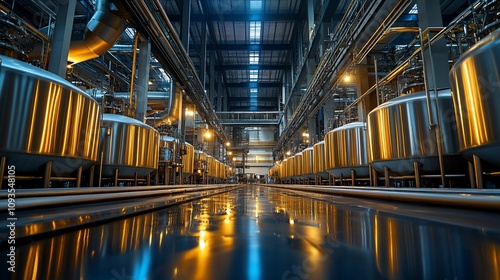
346 146
129 146
297 166
188 159
307 163
319 162
399 135
288 162
475 83
45 118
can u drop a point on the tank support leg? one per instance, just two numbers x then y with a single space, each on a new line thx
91 176
135 179
341 179
386 176
374 174
79 177
472 177
48 172
116 177
353 177
3 162
157 175
148 180
478 171
416 170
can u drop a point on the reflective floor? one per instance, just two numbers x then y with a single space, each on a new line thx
265 233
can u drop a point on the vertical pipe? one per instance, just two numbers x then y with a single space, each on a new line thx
100 169
386 176
132 78
416 169
479 171
472 176
3 163
79 177
116 178
439 137
377 92
48 172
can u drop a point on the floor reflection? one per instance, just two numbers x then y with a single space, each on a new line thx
264 233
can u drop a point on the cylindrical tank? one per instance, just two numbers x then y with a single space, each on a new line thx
45 118
475 83
297 166
168 148
129 145
346 146
211 166
188 159
289 167
399 135
319 162
307 163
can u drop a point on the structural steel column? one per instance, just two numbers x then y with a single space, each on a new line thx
429 15
185 25
62 38
143 79
310 19
203 58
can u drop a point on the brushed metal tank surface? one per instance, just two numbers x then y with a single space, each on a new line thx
289 167
188 159
212 168
319 162
45 118
297 166
475 83
307 163
347 150
399 134
129 145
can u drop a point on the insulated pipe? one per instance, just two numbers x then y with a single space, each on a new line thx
102 32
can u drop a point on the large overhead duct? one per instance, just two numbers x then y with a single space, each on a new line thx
103 30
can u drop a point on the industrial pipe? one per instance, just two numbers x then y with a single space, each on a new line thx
103 30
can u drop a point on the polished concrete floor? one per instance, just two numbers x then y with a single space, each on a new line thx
264 233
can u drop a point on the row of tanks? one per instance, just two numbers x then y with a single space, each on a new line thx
403 140
54 132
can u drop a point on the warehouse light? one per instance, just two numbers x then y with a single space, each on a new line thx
413 10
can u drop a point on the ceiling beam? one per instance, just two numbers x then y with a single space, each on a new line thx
252 67
238 17
246 47
253 85
253 99
253 108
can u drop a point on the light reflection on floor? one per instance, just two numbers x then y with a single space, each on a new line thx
263 233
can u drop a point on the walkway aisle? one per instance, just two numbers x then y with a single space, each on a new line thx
264 233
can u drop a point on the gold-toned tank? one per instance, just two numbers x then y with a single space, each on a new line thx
475 83
129 146
45 118
297 166
307 163
347 150
211 166
188 159
319 160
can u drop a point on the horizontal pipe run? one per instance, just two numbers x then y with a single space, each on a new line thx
489 200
